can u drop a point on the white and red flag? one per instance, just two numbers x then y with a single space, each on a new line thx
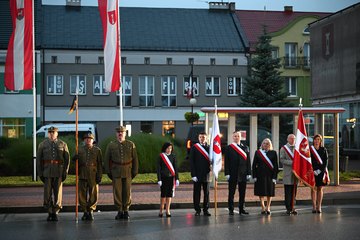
109 14
302 167
20 52
215 147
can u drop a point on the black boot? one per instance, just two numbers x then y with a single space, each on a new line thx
119 216
49 218
85 216
90 216
55 217
126 215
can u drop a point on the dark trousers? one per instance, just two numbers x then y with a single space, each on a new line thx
290 195
242 192
197 194
53 194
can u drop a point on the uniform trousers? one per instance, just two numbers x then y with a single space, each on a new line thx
197 193
53 194
88 195
122 193
290 194
242 192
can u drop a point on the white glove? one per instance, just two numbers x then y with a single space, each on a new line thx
160 183
248 177
194 179
255 179
317 172
177 183
274 181
227 177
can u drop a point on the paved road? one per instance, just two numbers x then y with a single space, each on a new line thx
336 222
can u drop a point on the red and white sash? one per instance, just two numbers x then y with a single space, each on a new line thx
289 152
326 178
202 150
266 159
169 165
239 150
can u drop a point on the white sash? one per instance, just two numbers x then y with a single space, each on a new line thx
289 152
202 151
239 150
168 163
266 159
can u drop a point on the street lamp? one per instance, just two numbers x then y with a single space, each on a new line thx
192 103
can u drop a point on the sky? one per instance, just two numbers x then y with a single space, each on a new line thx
270 5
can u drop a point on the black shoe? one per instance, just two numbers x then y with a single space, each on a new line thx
206 213
231 212
49 218
126 215
294 212
313 211
288 212
242 211
160 215
318 211
119 216
90 216
168 215
55 217
197 214
263 212
268 212
85 216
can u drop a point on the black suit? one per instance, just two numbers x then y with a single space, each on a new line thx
200 168
238 168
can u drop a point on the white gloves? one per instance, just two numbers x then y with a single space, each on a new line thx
177 183
227 177
160 183
248 177
255 179
317 172
274 181
194 179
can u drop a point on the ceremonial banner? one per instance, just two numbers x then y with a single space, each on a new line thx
215 147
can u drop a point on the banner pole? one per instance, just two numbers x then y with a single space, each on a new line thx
34 95
77 160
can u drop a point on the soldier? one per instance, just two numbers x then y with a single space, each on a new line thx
90 173
121 165
52 162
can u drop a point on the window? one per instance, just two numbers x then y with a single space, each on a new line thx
235 62
146 126
290 83
78 82
189 84
12 127
235 86
191 61
146 60
306 52
169 61
306 31
212 61
168 128
212 86
99 85
77 59
100 60
126 86
123 60
146 91
290 54
275 53
168 91
55 84
7 91
53 59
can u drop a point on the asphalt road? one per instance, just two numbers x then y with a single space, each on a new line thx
336 222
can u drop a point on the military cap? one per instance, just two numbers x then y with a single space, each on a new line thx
88 135
52 129
121 129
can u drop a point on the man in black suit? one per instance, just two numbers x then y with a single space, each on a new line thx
237 171
200 173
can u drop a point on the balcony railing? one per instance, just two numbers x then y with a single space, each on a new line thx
296 62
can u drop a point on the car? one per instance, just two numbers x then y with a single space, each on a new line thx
65 129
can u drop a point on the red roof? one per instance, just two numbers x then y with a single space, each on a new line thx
252 21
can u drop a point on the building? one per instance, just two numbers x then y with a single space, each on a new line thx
335 70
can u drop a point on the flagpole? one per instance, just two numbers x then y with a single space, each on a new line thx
34 95
215 193
77 160
120 89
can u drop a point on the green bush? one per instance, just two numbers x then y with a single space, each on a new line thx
18 158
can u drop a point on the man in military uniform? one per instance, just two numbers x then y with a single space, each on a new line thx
90 173
121 165
52 162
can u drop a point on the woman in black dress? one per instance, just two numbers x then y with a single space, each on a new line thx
265 170
319 160
168 177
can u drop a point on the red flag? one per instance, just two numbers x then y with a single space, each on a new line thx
109 13
215 147
19 57
302 166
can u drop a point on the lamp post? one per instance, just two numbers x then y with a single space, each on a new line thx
192 103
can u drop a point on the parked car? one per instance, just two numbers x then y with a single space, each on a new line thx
65 129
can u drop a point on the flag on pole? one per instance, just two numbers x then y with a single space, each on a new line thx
302 167
19 57
190 90
109 14
73 105
215 147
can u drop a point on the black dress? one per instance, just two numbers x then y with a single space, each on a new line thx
264 185
319 179
164 175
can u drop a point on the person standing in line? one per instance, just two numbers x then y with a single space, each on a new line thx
90 174
121 165
289 179
200 173
265 170
168 177
237 171
319 160
52 161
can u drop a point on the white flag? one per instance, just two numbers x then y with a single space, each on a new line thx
215 147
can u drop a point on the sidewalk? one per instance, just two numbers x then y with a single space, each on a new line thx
147 196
